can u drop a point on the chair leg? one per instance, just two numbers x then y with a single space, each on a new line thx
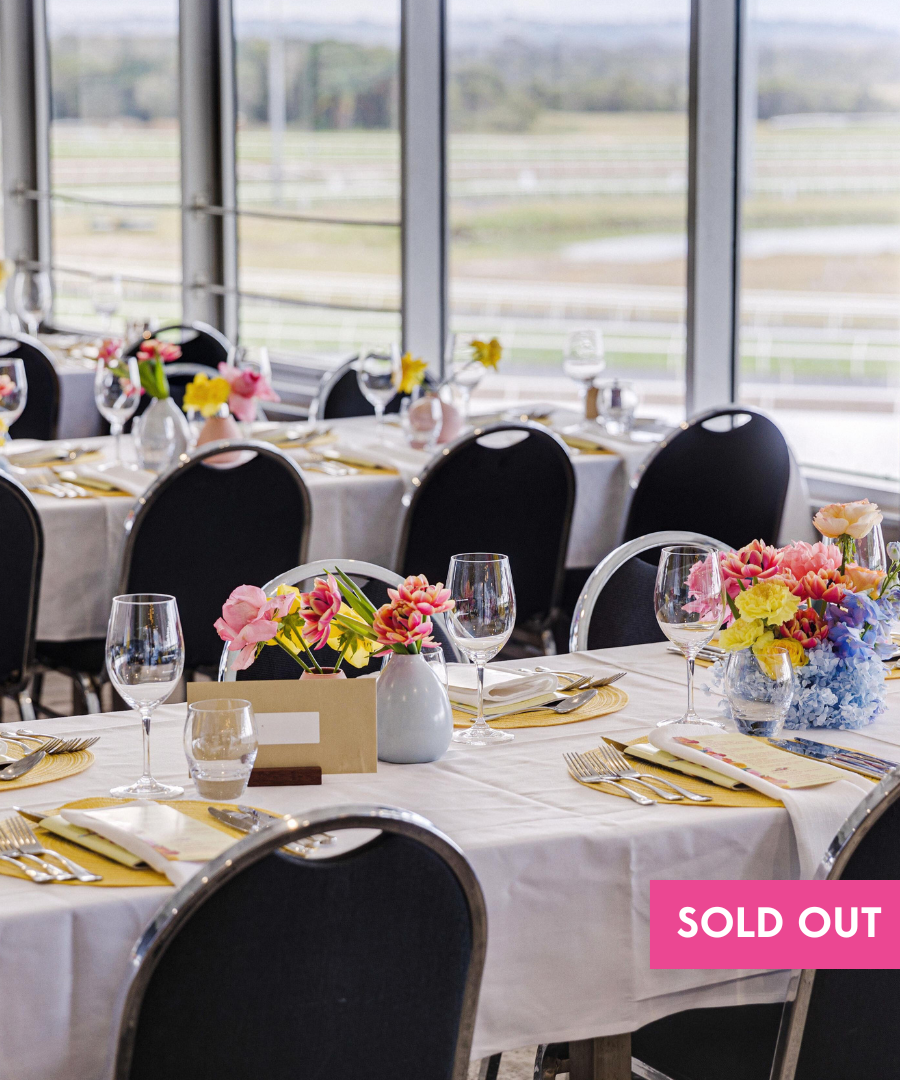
490 1066
548 642
87 693
550 1060
26 707
607 1057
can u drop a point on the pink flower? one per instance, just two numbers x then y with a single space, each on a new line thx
110 349
416 593
750 564
400 625
807 626
699 583
318 608
801 558
7 386
827 585
154 349
246 387
248 618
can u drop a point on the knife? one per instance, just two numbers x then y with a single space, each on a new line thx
263 817
833 751
875 771
252 823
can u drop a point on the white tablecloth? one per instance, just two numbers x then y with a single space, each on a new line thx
565 871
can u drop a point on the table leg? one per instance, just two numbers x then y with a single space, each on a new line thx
605 1058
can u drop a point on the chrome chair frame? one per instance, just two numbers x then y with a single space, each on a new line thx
615 560
34 343
350 567
179 907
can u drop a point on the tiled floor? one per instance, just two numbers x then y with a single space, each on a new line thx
514 1065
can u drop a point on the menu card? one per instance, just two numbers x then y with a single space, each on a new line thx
166 831
757 758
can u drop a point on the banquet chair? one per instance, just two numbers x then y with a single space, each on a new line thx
508 488
366 964
373 580
41 413
22 544
203 348
725 474
339 395
834 1023
619 593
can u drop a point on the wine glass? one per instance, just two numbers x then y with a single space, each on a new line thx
106 296
145 659
33 298
117 393
376 369
466 372
13 394
584 360
759 690
480 624
869 551
690 606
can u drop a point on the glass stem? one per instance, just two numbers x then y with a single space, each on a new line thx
116 431
145 736
479 719
690 685
379 421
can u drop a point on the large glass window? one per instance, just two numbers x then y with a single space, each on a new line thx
115 161
820 273
568 187
318 139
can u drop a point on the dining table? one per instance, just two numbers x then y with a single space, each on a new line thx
565 870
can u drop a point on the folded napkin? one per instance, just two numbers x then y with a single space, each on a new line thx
500 687
171 842
134 481
816 812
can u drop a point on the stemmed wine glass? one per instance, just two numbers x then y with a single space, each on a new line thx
117 393
584 360
690 606
465 371
376 373
145 659
13 394
106 296
480 624
33 298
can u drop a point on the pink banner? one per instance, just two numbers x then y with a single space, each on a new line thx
774 924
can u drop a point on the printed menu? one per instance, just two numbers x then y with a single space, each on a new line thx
757 758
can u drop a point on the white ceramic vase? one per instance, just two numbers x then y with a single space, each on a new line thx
414 718
161 435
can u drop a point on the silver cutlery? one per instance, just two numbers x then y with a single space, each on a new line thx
613 759
580 770
20 833
567 705
28 744
7 856
708 652
834 751
72 745
263 817
869 768
250 823
607 680
14 849
575 681
14 769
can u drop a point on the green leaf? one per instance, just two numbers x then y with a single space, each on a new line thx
355 597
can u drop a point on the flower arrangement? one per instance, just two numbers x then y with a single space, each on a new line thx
487 353
829 613
334 613
152 355
246 388
411 374
207 396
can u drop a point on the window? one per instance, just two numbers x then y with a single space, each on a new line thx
318 150
568 188
820 274
115 168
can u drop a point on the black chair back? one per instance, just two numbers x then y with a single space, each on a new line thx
363 965
40 416
340 395
487 492
726 474
22 545
202 530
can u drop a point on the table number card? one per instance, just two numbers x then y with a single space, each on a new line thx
330 723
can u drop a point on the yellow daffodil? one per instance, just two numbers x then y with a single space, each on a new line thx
487 352
741 634
411 375
206 395
772 601
356 648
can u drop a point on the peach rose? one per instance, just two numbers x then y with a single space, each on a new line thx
862 579
854 519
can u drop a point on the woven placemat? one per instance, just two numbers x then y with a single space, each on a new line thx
53 767
609 699
114 874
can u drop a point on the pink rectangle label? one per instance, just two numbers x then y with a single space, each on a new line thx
774 924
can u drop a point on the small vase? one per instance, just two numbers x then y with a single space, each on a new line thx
215 429
414 718
161 435
453 422
325 673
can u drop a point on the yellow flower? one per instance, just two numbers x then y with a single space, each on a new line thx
772 601
487 352
206 395
358 648
7 266
290 590
767 647
411 375
741 634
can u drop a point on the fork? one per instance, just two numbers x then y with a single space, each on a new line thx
576 681
48 747
72 745
619 764
12 849
6 855
20 832
579 770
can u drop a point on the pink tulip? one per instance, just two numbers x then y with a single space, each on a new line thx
416 593
154 349
246 388
827 585
318 608
249 617
801 558
752 563
400 625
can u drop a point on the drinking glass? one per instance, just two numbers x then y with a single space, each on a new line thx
13 394
422 419
33 297
759 690
465 372
376 369
584 360
690 606
220 742
117 393
145 659
106 296
154 442
616 403
480 624
869 551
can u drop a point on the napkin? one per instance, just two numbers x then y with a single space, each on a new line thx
816 812
158 834
134 481
500 687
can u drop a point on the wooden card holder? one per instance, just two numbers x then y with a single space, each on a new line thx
286 776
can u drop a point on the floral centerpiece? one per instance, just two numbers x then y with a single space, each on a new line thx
830 613
234 390
152 356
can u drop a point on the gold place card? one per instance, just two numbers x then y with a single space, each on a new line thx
301 722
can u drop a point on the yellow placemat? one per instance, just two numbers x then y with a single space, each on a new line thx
719 796
584 446
25 459
114 874
53 767
609 699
